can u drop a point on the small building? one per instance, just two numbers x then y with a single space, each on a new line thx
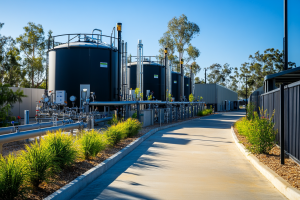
220 97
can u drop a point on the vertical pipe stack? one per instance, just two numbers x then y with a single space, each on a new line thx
192 83
119 29
126 74
139 65
122 72
167 91
182 80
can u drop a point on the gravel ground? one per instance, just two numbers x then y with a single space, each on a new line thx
80 166
290 171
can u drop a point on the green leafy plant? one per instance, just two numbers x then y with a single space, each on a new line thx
191 97
204 112
91 143
39 160
7 99
149 97
114 120
134 115
137 92
259 131
62 147
12 177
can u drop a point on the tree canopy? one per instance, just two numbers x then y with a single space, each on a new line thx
178 39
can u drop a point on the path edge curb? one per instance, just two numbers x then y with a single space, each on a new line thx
279 183
75 186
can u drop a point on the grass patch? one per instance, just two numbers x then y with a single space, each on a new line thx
12 177
91 143
62 148
39 160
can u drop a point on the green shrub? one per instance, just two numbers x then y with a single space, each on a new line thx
114 120
39 160
204 112
62 147
134 115
259 132
12 177
91 143
131 127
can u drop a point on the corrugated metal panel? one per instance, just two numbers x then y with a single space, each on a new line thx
223 94
207 91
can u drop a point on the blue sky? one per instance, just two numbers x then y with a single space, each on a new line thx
230 30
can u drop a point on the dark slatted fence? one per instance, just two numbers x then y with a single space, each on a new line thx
271 101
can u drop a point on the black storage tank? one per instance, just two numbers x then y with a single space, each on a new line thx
154 79
176 82
176 86
187 87
86 62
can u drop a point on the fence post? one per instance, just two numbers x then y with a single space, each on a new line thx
282 124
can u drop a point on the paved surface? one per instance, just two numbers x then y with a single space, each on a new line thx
196 160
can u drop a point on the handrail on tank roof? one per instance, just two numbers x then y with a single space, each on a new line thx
85 34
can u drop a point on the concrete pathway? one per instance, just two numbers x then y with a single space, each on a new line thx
196 160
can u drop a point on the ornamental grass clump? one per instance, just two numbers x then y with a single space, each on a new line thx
259 131
204 112
115 134
131 127
12 177
91 143
62 148
39 161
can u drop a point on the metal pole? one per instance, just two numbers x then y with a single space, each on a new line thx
285 38
119 29
246 96
205 75
166 64
126 78
282 124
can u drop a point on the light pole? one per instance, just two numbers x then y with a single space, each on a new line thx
246 93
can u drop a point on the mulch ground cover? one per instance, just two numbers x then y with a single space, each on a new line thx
290 171
79 167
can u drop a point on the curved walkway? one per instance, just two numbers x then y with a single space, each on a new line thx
195 160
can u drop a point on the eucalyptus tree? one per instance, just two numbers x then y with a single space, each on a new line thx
32 45
10 67
178 38
219 74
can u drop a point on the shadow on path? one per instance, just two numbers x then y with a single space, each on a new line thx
101 189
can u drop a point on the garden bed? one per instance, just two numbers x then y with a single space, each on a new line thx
79 167
290 171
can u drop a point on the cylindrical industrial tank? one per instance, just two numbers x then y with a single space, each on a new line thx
154 79
187 87
87 63
176 82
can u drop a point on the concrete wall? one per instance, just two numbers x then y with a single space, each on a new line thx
223 94
207 91
28 103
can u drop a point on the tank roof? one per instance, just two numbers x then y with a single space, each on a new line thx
84 44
